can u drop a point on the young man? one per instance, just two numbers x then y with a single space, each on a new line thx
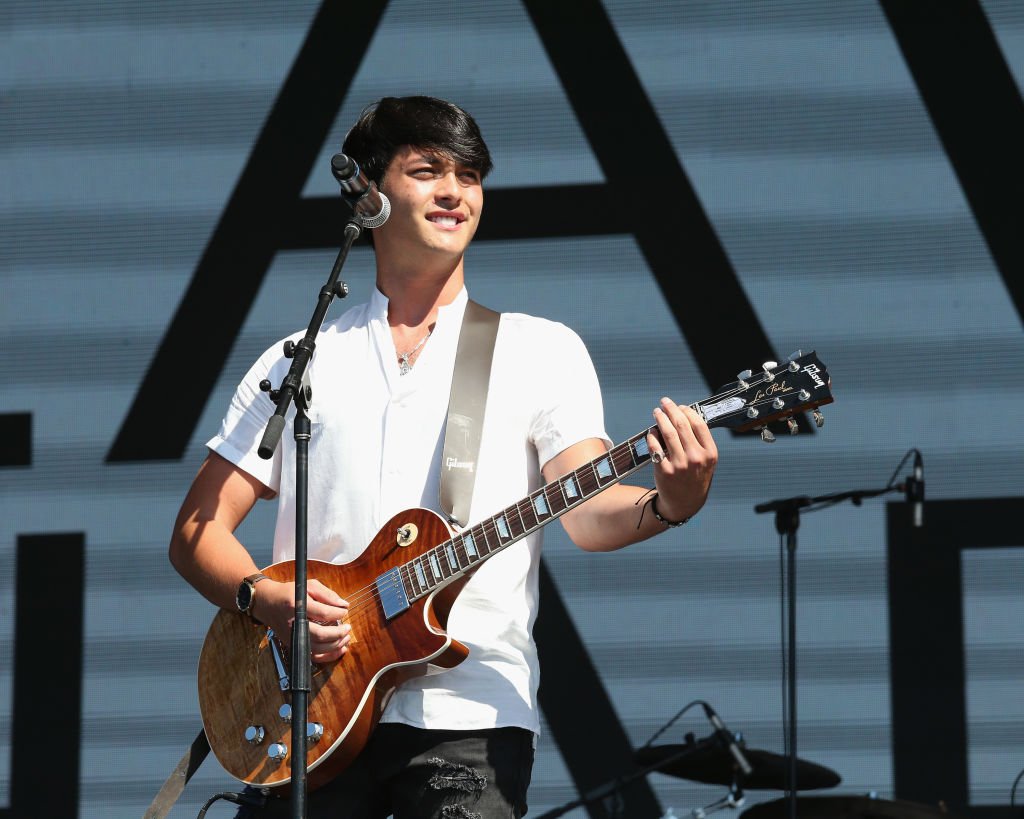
458 744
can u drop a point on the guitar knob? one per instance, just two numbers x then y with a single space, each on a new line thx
819 419
277 751
314 731
778 403
254 734
794 428
767 436
285 712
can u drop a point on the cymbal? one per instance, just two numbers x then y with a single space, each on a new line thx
714 765
845 807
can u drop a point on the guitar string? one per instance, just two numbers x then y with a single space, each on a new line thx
371 592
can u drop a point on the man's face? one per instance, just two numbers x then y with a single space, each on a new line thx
435 204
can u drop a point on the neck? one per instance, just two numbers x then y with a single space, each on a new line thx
415 297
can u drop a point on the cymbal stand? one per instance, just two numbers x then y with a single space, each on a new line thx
734 799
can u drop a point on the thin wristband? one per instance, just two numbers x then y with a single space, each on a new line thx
670 523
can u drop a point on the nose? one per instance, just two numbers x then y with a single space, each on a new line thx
448 189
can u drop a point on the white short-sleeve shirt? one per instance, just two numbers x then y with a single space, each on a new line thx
375 450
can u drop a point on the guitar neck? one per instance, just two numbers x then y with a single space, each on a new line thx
454 558
749 403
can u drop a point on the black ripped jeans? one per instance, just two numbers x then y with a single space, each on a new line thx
412 773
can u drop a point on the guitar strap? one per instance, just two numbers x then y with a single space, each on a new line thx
466 405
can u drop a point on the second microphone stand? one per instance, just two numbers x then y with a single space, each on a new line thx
787 521
295 388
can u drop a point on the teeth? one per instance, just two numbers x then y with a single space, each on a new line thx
447 221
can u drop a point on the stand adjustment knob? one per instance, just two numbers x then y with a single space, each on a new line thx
277 751
289 349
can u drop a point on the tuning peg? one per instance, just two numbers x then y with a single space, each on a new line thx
795 355
819 419
803 395
794 428
767 436
742 379
778 403
768 366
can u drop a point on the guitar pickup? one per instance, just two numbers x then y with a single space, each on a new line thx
393 598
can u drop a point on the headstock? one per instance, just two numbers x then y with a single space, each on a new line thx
775 392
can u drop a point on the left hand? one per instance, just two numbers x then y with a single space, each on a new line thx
687 460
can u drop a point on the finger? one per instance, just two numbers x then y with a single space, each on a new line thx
701 430
654 447
669 434
324 613
681 422
324 594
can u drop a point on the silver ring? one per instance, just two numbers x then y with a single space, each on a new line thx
656 457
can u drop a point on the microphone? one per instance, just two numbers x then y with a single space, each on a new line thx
369 204
729 738
915 490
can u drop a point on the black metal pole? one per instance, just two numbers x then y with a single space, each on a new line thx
787 521
295 389
300 676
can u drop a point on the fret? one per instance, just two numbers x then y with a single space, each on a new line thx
421 575
435 566
641 452
554 496
470 546
515 521
410 580
540 506
482 540
526 506
604 470
453 559
586 477
570 490
622 459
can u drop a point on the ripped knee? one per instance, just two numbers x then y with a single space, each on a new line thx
455 776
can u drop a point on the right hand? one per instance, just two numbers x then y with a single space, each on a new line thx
329 634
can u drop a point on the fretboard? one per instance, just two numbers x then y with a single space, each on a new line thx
460 555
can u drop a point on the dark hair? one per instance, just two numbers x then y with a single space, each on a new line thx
426 123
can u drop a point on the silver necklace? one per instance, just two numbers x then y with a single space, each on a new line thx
404 367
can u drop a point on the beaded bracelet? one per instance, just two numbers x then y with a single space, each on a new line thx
669 523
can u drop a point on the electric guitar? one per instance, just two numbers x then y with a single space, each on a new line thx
401 589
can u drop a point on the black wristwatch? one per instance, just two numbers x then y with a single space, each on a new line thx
247 592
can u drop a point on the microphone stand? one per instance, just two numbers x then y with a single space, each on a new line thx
787 521
295 388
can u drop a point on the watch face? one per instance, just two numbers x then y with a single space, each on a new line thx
243 599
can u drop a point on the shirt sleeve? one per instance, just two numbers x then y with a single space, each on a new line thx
571 408
242 428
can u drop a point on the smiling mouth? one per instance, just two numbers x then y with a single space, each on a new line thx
445 220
